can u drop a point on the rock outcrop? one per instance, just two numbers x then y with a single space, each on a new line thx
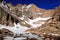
4 32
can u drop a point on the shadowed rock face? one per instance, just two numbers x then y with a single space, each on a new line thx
8 19
5 32
1 0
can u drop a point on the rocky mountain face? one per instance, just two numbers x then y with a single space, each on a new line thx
26 14
51 27
29 18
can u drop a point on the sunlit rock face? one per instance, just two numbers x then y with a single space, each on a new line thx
51 26
48 13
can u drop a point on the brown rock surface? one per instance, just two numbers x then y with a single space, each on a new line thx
52 26
5 32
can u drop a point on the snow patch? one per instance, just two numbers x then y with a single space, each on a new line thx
34 25
22 17
2 4
32 36
29 6
23 7
39 18
17 29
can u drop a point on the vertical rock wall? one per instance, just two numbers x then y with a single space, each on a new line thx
6 19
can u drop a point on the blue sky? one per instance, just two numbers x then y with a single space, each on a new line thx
46 4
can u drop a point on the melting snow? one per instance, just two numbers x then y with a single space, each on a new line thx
23 7
2 4
32 36
17 29
29 6
39 18
22 17
31 22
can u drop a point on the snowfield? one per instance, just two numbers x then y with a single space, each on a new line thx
17 29
31 22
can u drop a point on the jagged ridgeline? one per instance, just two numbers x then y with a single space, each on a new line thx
8 18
